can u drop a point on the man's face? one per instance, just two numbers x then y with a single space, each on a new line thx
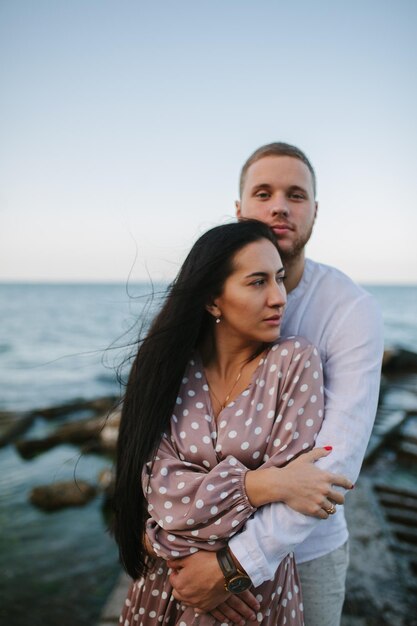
278 190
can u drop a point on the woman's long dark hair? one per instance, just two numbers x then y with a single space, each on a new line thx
154 381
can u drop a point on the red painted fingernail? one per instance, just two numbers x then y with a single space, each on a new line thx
328 447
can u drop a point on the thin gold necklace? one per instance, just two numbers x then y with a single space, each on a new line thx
226 400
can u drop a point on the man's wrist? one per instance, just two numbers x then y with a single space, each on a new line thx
236 579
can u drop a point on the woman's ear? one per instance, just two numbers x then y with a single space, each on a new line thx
213 309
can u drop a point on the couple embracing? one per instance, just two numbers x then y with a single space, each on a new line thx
246 418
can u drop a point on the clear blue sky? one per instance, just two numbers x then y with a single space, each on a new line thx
124 125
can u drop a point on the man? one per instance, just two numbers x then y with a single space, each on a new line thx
278 186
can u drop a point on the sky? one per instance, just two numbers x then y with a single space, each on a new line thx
124 125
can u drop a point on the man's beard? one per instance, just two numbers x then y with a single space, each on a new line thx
290 254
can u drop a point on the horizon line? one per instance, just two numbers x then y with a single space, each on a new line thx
88 281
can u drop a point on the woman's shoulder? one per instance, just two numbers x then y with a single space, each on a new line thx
291 349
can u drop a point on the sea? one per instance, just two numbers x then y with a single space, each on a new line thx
65 342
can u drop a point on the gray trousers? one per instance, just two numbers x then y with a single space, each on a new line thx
323 587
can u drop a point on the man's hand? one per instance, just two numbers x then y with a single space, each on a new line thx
198 582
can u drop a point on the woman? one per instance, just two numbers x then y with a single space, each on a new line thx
215 406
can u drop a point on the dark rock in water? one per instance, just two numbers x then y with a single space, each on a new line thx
62 494
399 360
377 590
400 399
106 482
99 405
99 432
407 452
387 423
402 516
396 502
407 494
12 425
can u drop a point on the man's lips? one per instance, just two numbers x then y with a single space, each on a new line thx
280 229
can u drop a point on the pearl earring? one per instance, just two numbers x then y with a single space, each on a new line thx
218 320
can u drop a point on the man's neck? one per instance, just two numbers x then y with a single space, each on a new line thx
294 269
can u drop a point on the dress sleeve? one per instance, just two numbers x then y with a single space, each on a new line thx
191 507
299 403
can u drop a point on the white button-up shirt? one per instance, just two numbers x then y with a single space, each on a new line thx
344 322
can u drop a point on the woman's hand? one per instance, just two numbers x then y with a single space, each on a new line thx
300 484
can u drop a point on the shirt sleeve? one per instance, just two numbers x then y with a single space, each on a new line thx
352 378
190 505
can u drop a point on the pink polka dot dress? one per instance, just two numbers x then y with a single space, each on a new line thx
196 486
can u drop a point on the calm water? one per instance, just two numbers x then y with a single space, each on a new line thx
59 343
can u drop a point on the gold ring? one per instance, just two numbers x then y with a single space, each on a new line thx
331 510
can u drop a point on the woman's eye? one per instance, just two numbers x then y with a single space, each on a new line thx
260 281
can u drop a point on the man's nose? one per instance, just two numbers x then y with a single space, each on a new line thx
280 207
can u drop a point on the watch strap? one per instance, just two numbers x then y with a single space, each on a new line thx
226 563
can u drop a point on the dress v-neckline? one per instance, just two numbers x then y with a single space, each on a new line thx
239 396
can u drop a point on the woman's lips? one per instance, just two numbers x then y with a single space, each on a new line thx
273 321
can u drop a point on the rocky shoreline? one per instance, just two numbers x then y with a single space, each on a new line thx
381 511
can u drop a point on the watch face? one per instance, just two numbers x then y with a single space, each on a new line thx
239 584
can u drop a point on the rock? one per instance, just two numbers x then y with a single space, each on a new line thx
99 405
62 494
399 360
76 432
100 433
106 480
376 584
407 452
387 424
13 424
110 432
400 399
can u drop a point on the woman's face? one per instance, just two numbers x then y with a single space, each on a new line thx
253 298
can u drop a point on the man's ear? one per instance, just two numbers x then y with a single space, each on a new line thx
238 209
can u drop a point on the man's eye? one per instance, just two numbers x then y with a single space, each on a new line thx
297 196
263 195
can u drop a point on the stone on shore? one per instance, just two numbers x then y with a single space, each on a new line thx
399 360
13 424
98 405
99 433
62 494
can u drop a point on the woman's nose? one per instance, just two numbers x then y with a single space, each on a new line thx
278 295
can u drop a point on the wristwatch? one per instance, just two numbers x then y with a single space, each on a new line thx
235 581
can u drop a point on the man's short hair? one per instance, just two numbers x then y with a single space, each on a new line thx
278 148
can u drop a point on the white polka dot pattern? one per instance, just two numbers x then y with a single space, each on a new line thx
198 475
247 437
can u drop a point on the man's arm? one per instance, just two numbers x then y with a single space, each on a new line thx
352 378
